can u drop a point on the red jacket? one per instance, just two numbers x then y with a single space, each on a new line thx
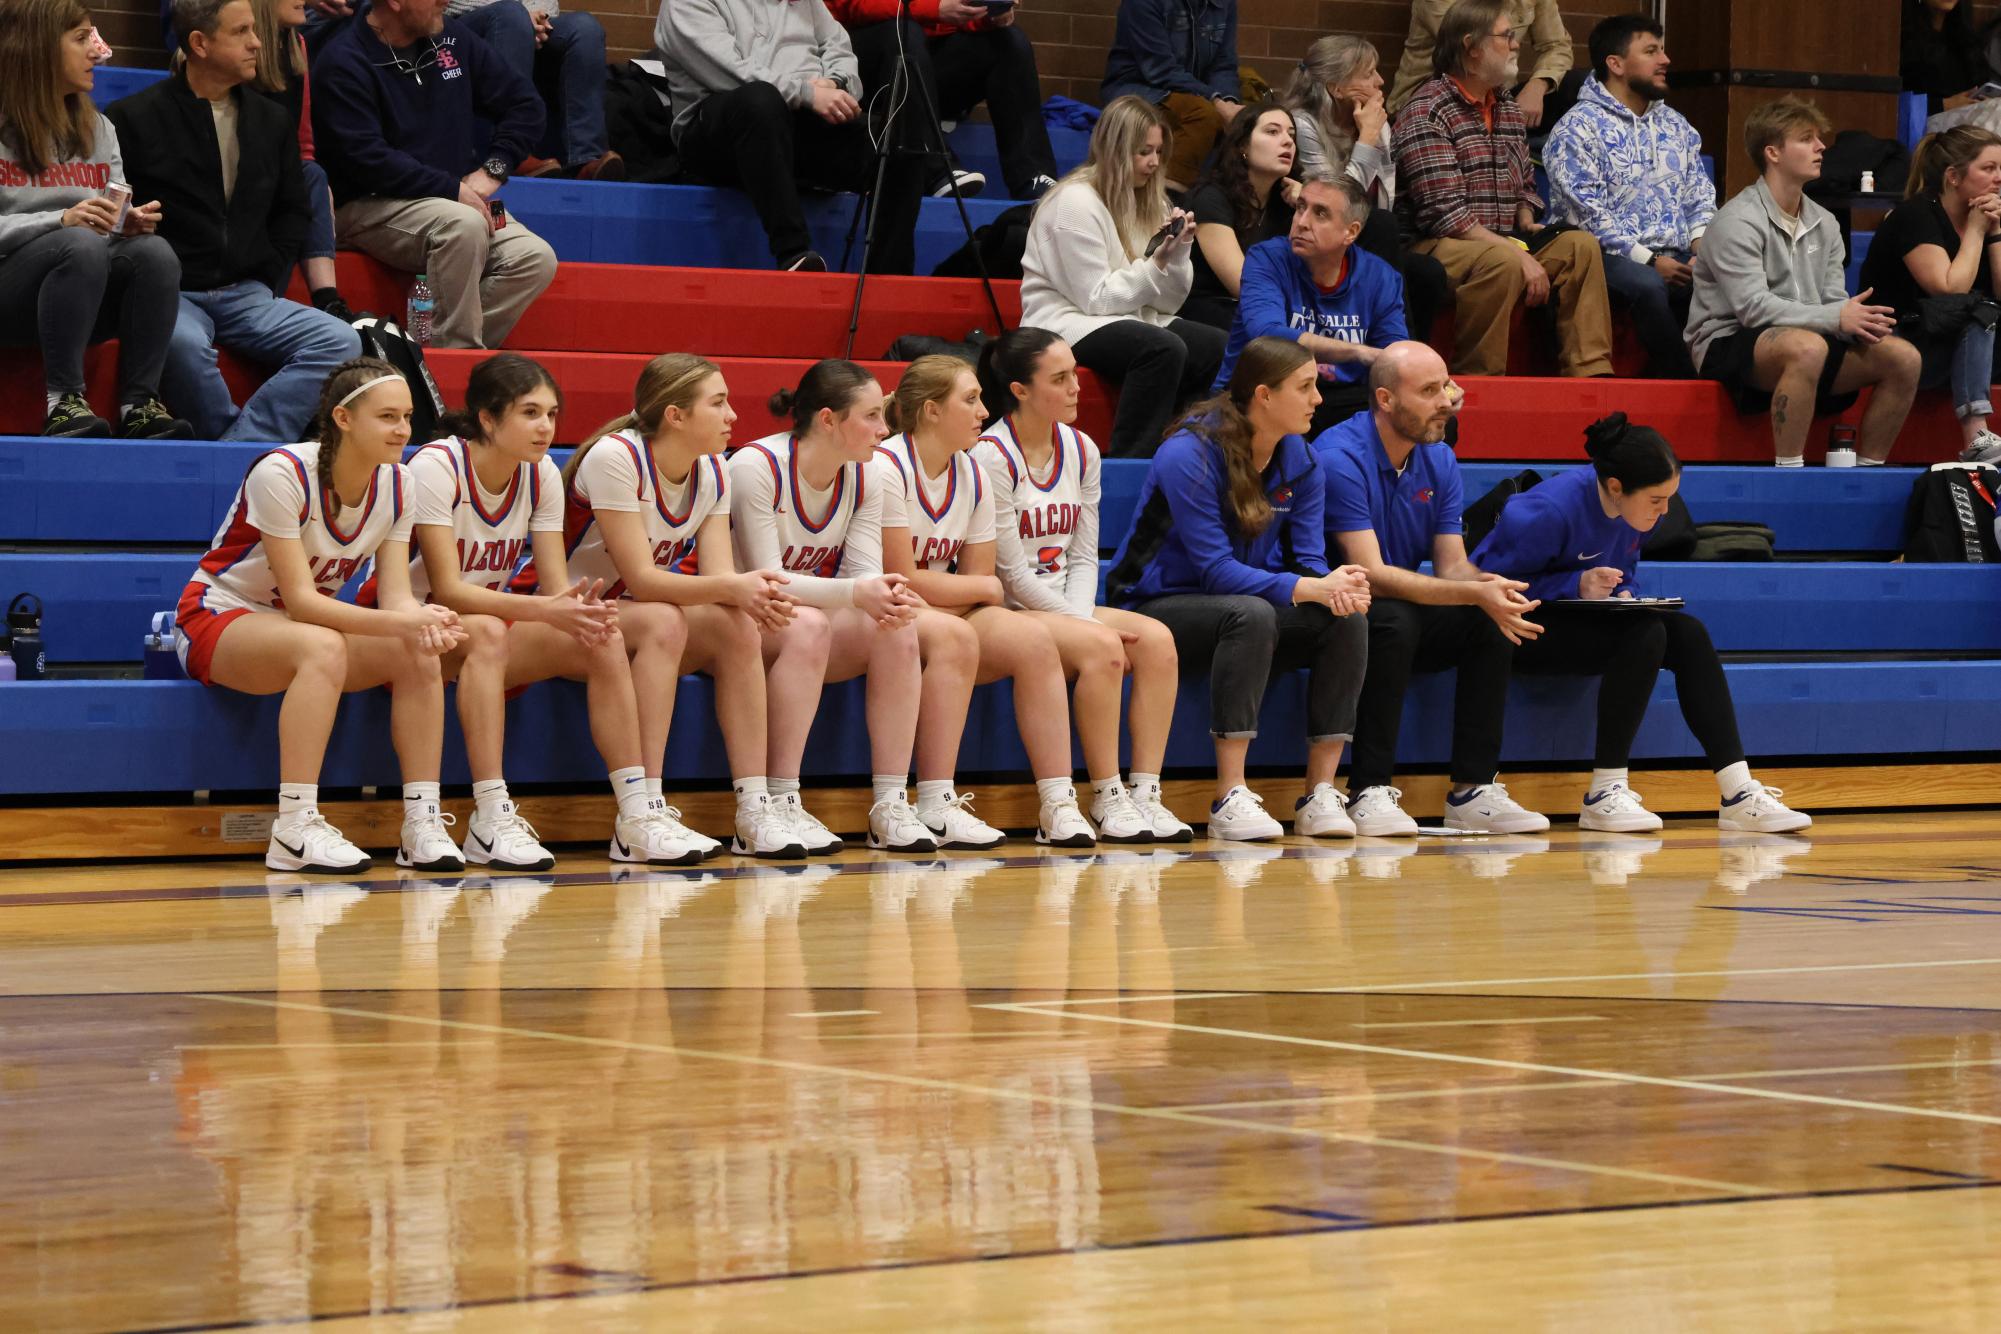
855 13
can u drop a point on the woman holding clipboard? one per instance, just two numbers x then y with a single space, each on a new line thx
1575 540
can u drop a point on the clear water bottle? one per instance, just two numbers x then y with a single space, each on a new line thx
417 318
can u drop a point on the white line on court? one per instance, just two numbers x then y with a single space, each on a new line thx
1640 977
1496 1063
831 1014
1486 1023
1010 1095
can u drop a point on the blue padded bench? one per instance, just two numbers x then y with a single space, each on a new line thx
175 736
973 145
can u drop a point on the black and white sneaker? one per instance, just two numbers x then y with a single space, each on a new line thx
305 841
71 418
1039 187
970 184
150 420
806 261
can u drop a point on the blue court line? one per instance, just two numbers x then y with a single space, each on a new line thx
1148 1244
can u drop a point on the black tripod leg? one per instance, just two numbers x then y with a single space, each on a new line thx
965 219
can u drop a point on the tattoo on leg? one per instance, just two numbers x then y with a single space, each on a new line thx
1779 405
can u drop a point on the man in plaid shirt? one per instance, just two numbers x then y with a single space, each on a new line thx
1468 192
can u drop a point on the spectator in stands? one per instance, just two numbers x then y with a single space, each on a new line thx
1936 260
1771 316
1628 168
964 53
413 175
1577 538
1088 278
561 53
1322 291
1227 549
1180 55
1941 56
1539 24
1336 100
70 273
282 77
766 98
1394 501
1246 196
225 163
1469 193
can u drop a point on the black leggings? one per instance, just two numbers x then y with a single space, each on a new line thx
1158 371
1409 637
72 287
1628 649
1240 642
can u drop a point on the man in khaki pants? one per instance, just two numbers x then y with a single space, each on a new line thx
1468 193
397 98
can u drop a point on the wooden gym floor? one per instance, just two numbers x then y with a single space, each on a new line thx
1584 1082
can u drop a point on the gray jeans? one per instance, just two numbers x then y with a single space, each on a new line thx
71 287
1241 641
483 280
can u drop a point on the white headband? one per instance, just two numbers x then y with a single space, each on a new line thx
367 385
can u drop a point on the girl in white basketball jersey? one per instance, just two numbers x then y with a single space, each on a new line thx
938 528
260 615
1045 478
649 514
488 496
805 504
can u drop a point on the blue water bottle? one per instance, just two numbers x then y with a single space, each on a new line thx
24 638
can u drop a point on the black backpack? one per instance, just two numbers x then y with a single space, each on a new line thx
639 123
1480 517
1673 538
1951 515
1001 243
386 339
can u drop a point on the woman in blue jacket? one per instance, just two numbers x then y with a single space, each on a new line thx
1577 537
1228 550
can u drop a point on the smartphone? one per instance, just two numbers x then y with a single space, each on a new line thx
1167 233
995 8
499 212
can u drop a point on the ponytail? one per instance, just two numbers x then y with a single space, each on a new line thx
346 378
1636 457
670 380
830 384
926 380
1948 150
1009 360
1225 422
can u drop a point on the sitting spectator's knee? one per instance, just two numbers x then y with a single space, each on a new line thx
760 100
1800 350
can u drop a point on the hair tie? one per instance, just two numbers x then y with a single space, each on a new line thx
367 385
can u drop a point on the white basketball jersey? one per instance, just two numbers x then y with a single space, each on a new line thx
811 528
943 514
1049 510
280 497
491 530
618 474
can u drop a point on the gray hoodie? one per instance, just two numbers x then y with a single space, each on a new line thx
30 206
714 46
1752 274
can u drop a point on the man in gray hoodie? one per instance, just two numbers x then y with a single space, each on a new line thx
767 96
1771 316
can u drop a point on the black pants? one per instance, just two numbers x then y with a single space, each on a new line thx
1424 286
748 137
1658 311
1627 650
1158 370
72 287
1409 637
958 71
1242 641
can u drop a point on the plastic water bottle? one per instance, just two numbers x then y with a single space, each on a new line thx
417 318
24 638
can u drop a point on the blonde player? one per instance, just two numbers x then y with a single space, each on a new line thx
486 497
805 505
649 514
1045 479
260 616
938 529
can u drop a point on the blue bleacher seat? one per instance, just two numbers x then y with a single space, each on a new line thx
973 144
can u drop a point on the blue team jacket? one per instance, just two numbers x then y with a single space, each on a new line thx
1279 297
1553 532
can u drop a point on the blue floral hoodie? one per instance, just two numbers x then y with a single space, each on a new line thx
1637 183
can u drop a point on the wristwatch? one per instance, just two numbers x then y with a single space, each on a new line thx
496 168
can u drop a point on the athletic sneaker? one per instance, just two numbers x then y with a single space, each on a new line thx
1323 813
1166 827
1242 868
1240 817
652 840
815 837
1611 862
893 826
427 845
506 843
1382 860
806 261
304 841
1747 860
1488 809
72 418
671 816
1985 447
953 824
1616 810
1061 825
150 420
970 184
1039 187
763 831
1493 858
1376 813
1119 818
1758 810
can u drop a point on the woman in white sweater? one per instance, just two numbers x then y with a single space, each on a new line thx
1087 278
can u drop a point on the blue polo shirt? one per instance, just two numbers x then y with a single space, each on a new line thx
1364 491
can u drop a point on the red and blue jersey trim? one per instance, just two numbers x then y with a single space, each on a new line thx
472 490
328 511
833 505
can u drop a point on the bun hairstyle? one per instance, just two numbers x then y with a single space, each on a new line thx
927 380
1636 457
830 384
669 381
1224 420
493 387
1009 360
346 378
1948 150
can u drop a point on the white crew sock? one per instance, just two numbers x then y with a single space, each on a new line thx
933 793
751 792
890 785
1794 461
295 799
54 398
1056 791
629 786
782 787
1733 778
654 789
1863 460
1105 788
1604 778
489 795
419 799
1140 780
